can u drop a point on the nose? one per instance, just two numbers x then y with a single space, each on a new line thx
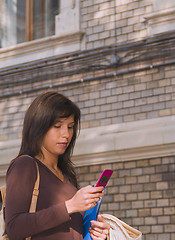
65 132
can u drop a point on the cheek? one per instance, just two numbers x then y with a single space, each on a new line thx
48 138
53 134
71 135
44 143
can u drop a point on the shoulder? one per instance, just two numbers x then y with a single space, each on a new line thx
23 160
22 164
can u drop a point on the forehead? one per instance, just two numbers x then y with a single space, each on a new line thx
69 119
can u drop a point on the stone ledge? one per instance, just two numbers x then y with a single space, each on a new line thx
160 21
160 13
114 143
127 141
124 155
40 49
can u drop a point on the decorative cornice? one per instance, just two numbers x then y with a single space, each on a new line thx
161 13
114 143
139 153
127 141
160 21
40 49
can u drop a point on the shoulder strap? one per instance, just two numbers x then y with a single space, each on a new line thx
34 195
3 194
35 192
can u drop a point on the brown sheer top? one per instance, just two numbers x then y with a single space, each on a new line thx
51 220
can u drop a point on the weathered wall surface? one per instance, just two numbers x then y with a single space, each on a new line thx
118 65
140 193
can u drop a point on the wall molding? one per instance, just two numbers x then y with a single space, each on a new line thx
40 49
126 141
114 143
160 21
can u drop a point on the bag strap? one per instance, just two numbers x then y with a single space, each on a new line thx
35 192
3 194
34 195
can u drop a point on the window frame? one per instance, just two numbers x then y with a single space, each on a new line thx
29 34
29 20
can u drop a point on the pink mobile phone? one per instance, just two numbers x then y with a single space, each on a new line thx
104 178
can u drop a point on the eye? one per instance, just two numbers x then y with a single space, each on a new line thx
71 127
57 126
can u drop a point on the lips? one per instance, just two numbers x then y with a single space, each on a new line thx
63 144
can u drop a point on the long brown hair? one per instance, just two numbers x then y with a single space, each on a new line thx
40 116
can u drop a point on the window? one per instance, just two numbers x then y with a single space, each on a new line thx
26 20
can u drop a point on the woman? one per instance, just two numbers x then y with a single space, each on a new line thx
49 132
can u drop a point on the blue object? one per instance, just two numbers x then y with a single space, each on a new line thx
90 215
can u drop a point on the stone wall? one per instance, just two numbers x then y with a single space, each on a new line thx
109 22
141 193
127 97
118 65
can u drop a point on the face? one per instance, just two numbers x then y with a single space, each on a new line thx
58 137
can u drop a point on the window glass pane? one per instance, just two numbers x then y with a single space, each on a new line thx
12 22
21 20
44 17
3 13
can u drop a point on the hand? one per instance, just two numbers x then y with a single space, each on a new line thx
99 229
84 199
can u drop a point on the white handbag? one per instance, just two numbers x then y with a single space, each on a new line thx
119 230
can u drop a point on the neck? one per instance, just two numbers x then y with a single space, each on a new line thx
51 163
48 159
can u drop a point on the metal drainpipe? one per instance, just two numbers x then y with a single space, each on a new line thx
85 80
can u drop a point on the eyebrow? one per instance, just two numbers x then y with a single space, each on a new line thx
60 121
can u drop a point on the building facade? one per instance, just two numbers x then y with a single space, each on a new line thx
116 60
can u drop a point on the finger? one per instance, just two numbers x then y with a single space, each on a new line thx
93 197
95 189
97 224
99 188
96 195
92 200
100 230
90 191
101 219
97 235
90 203
100 225
94 204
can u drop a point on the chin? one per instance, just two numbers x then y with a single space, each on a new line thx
60 153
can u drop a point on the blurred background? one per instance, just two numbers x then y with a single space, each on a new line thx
116 60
